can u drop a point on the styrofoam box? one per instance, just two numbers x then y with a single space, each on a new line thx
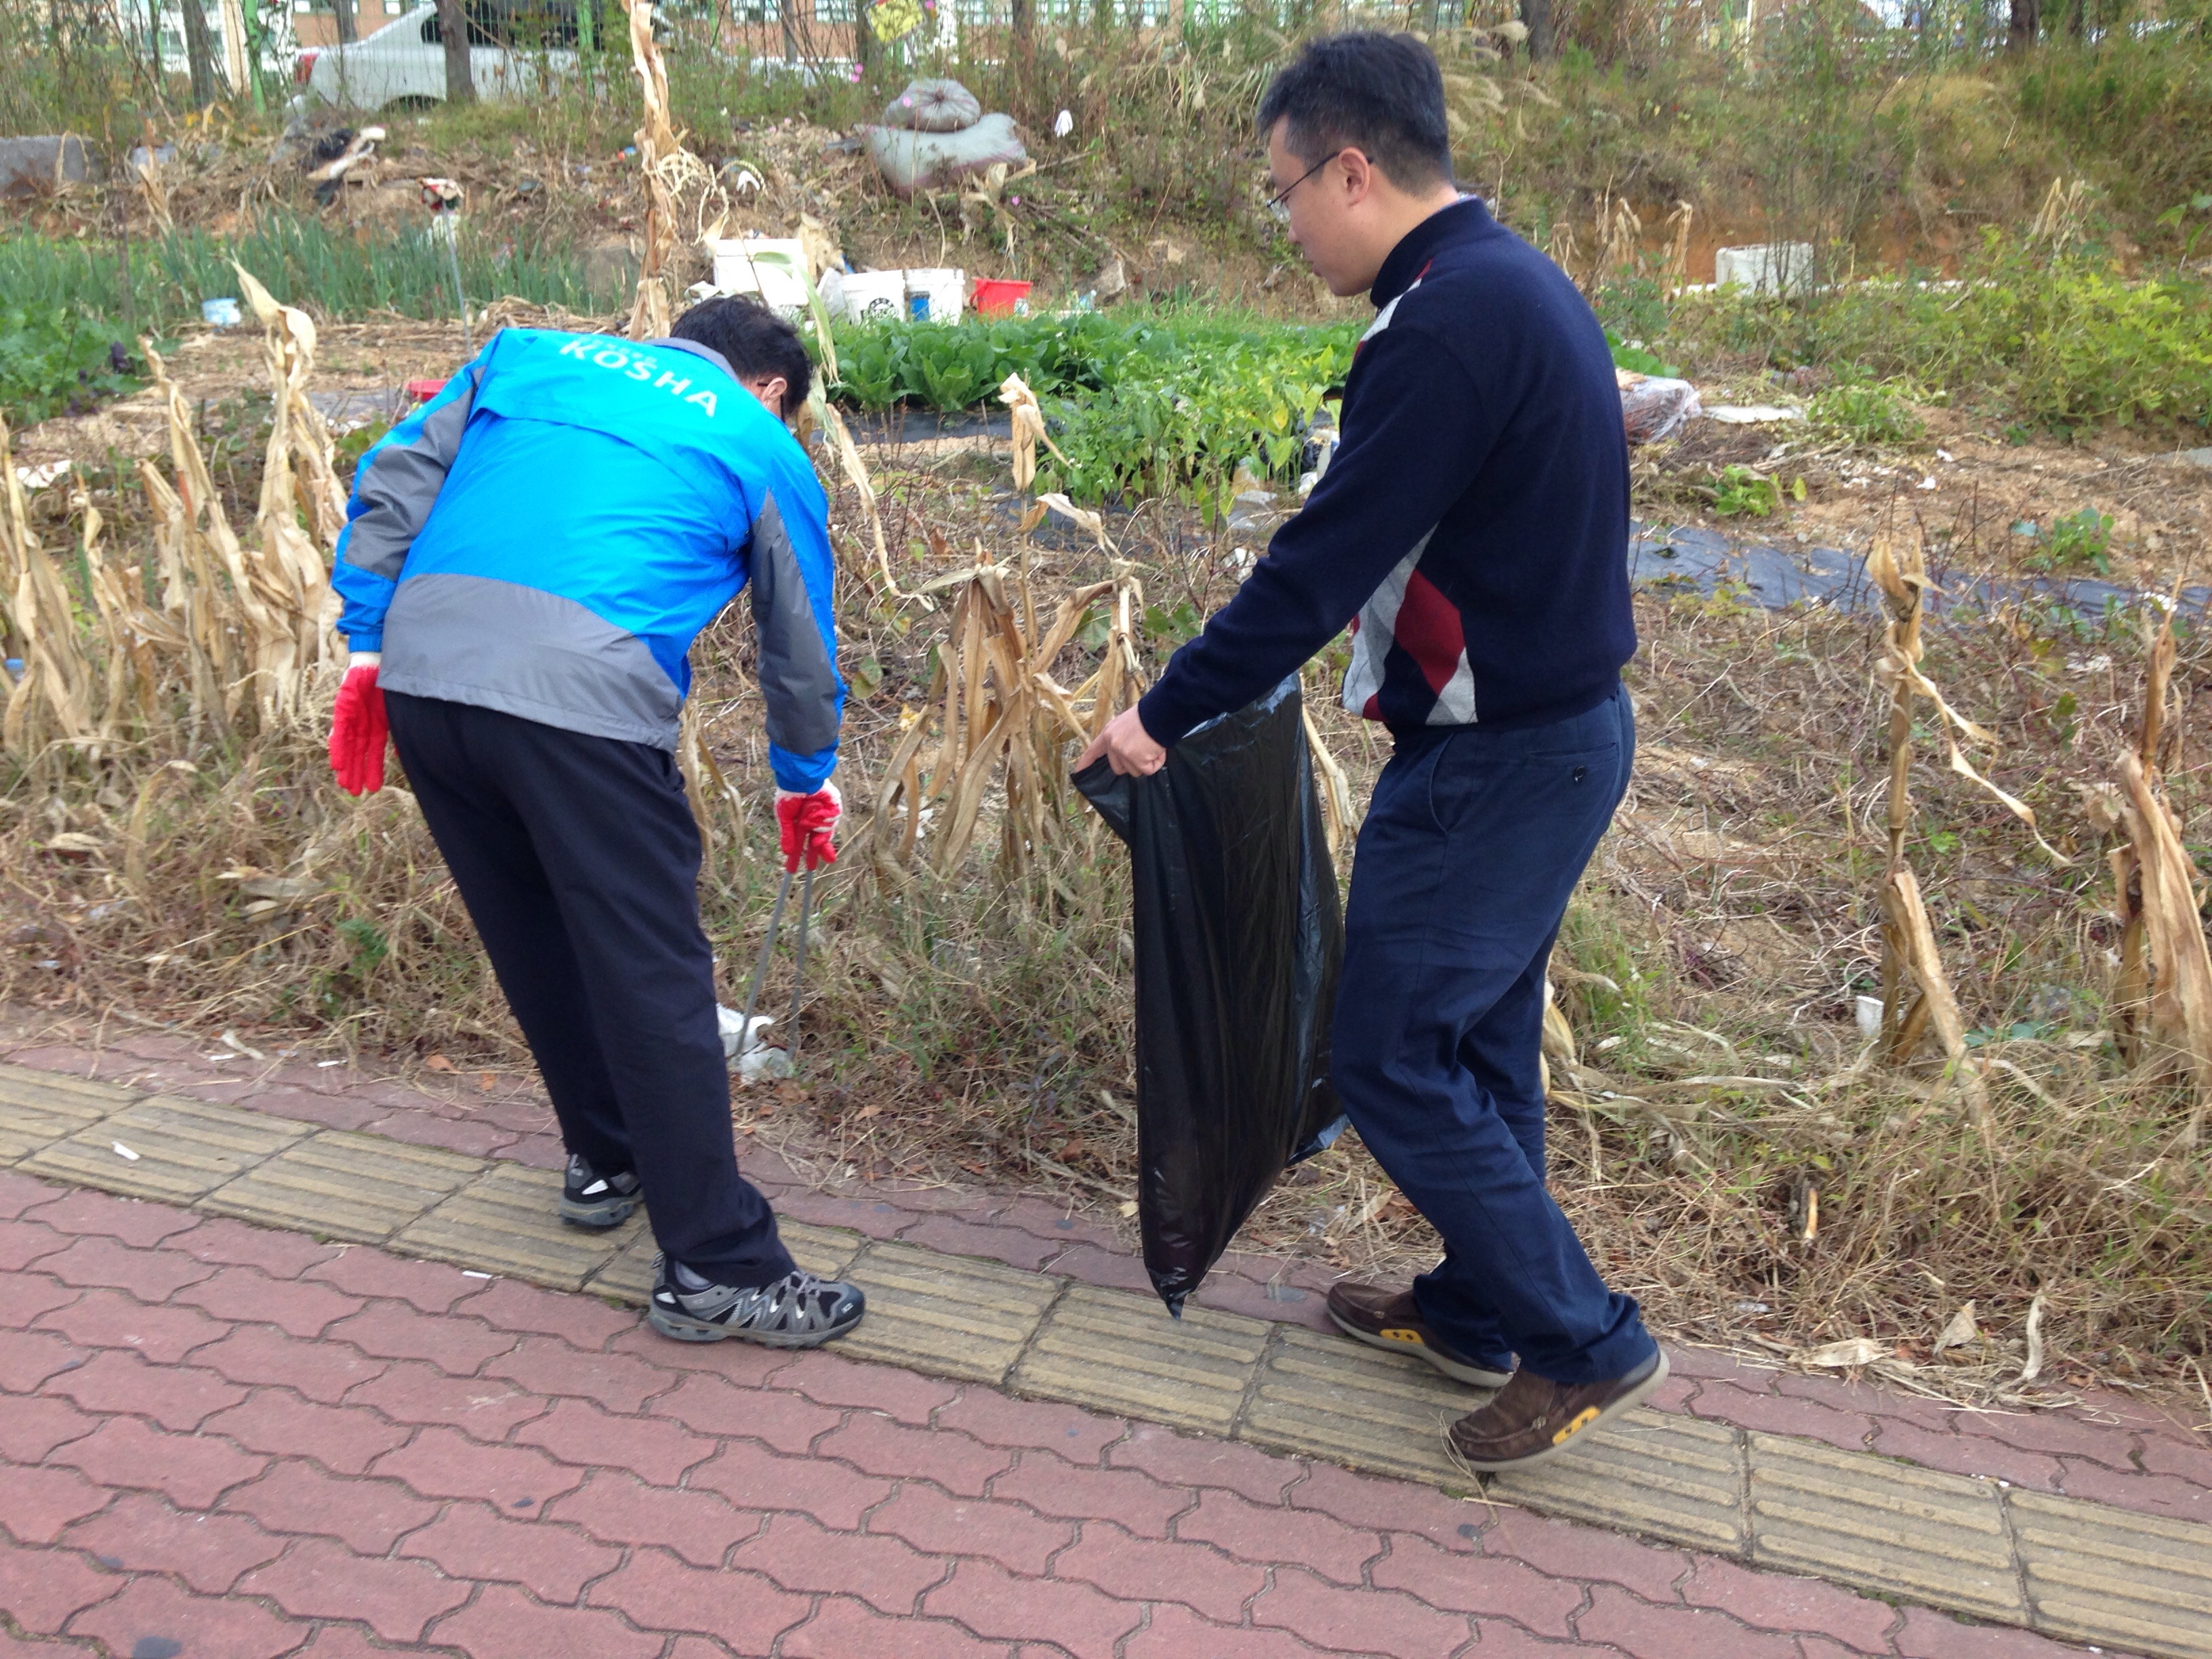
944 289
874 296
1766 268
738 269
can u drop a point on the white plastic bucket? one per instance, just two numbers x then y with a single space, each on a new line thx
875 296
757 265
937 293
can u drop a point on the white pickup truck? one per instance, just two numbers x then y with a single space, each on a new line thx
404 63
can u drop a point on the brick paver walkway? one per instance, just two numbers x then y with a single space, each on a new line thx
227 1441
218 1439
2108 1448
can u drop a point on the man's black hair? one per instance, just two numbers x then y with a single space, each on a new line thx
1382 94
755 341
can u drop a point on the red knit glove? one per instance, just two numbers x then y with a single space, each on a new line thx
807 823
359 730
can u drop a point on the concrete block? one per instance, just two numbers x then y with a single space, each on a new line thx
1769 267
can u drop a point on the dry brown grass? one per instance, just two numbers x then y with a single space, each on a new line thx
1723 1140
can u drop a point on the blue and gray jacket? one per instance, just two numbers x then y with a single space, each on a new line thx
548 534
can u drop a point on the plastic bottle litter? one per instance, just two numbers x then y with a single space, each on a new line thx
221 313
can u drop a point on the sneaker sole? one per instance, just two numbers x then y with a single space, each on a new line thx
1480 1376
609 1212
683 1329
1635 1397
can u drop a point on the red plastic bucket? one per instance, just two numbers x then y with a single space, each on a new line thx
994 298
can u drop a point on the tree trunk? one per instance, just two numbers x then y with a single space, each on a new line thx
199 54
343 10
864 40
2025 24
1023 29
1539 18
453 31
2077 20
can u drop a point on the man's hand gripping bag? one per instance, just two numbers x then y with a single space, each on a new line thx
1239 938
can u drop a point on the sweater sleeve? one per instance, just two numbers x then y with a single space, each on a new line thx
1415 434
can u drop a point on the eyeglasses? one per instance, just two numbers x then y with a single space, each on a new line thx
1279 206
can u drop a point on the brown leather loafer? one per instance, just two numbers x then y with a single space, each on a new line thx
1533 1417
1392 1320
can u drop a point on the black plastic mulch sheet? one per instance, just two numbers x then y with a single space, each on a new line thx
1239 937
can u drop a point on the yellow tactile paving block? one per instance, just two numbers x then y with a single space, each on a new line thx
509 1221
1120 1351
826 1252
1891 1528
185 1149
1329 1397
38 1107
950 1315
2095 1574
1666 1477
337 1184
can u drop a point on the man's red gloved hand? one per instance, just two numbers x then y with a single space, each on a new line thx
807 823
358 729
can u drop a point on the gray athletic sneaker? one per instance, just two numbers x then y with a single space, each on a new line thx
589 1198
797 1311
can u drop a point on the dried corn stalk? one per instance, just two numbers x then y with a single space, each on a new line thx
657 148
53 699
704 781
253 614
132 639
1678 255
1910 961
297 479
1337 820
856 473
290 348
2162 994
1619 233
993 704
1027 420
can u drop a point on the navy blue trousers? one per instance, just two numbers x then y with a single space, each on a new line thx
1472 843
579 860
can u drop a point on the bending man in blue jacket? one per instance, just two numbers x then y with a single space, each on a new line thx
1473 531
526 561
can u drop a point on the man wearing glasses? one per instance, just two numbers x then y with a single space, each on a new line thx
1473 531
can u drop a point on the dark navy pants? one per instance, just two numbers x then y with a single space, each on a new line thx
1472 843
579 860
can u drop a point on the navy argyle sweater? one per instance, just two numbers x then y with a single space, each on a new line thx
1472 528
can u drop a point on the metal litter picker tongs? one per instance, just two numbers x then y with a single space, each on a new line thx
799 972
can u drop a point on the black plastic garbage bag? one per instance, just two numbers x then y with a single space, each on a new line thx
1239 938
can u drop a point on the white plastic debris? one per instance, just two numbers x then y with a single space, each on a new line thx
1063 123
763 1064
122 1150
1754 413
1869 1017
736 1038
751 1059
